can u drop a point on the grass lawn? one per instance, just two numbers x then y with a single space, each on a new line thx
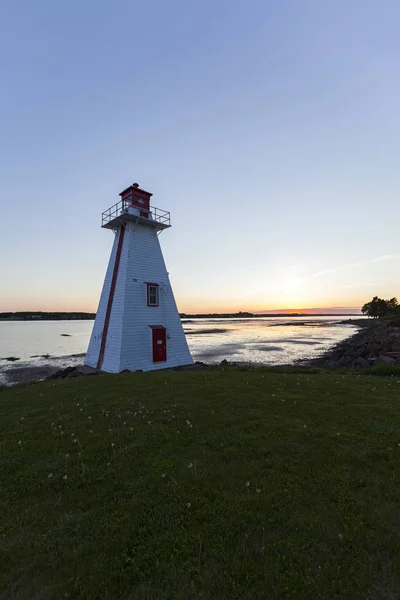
213 485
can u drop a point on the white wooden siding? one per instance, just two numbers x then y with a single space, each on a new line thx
129 338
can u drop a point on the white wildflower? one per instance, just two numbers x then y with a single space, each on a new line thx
247 483
190 465
188 505
163 475
65 477
50 475
258 490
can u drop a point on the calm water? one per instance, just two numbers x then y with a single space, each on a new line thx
263 340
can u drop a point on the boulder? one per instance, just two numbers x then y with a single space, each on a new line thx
384 360
331 364
69 372
361 362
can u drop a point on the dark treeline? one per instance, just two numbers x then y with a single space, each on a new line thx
247 315
46 316
84 316
218 315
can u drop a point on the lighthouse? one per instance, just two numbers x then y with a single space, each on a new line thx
137 325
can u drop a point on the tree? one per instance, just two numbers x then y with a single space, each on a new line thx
371 308
378 307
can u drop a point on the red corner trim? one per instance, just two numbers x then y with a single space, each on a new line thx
111 297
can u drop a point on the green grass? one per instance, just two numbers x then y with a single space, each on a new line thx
212 485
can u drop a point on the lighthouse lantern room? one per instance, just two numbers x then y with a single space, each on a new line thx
137 325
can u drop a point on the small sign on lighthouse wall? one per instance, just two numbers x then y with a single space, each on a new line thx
137 323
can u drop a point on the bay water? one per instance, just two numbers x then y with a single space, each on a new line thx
261 340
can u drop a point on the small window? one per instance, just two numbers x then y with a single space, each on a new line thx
152 294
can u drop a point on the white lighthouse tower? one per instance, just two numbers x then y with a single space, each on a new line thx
137 323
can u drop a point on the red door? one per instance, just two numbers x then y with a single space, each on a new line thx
159 345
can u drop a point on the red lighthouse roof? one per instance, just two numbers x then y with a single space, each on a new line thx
134 189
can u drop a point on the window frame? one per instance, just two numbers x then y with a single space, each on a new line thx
149 287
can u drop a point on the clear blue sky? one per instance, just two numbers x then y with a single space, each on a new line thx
269 129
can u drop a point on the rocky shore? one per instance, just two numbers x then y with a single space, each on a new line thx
25 372
376 342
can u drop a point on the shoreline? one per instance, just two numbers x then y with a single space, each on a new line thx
375 342
372 343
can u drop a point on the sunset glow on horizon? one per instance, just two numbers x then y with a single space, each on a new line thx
277 157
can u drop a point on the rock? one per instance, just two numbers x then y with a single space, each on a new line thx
331 364
74 372
197 366
63 373
361 362
86 370
384 360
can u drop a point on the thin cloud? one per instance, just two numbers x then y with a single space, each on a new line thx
301 281
358 285
379 259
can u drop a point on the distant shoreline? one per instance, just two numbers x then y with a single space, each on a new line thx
82 316
46 316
